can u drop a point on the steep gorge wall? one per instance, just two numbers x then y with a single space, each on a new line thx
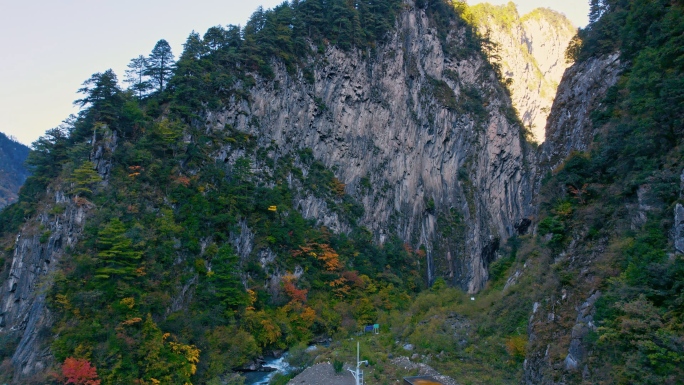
398 117
581 91
38 249
568 313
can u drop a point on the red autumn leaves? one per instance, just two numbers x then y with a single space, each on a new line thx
79 372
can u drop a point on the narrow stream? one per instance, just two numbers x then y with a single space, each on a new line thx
262 378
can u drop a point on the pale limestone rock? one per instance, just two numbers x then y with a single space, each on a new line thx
531 53
679 228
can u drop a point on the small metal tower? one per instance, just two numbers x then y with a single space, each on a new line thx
358 374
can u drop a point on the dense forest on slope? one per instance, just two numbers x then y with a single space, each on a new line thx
13 173
163 211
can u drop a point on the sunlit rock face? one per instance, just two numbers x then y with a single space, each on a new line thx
531 52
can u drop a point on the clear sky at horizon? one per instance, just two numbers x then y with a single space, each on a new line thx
50 47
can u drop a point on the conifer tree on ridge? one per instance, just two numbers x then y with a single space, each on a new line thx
160 64
135 75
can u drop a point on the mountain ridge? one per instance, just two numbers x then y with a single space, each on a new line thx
13 173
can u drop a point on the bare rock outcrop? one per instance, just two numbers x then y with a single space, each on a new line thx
679 228
581 91
431 130
34 262
397 117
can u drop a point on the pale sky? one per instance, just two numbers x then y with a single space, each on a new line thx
50 47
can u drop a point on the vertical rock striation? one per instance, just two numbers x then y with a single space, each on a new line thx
34 261
581 91
402 117
425 123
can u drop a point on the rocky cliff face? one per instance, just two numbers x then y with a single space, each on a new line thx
433 135
432 132
581 91
399 118
531 53
38 248
23 312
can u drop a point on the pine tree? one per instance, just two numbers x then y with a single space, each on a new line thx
135 75
312 14
160 64
193 48
103 95
83 177
116 255
226 280
49 151
215 38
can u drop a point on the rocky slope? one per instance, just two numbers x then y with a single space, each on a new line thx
530 51
610 228
13 173
568 312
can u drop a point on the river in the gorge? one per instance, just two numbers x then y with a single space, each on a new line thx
262 378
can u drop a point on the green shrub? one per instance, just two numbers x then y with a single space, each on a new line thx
338 366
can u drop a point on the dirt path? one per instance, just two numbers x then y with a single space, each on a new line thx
322 374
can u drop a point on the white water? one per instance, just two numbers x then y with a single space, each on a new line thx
262 378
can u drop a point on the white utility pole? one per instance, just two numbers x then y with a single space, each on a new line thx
358 374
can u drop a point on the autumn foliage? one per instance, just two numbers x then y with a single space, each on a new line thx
323 252
516 346
338 187
79 372
296 295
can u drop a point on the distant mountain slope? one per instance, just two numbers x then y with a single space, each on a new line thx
12 170
531 53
